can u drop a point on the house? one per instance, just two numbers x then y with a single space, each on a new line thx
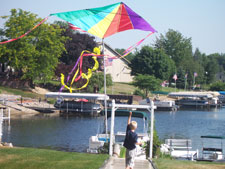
220 76
118 68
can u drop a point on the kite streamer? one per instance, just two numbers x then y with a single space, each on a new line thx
11 40
80 72
130 49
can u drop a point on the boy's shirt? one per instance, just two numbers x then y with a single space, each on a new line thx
130 139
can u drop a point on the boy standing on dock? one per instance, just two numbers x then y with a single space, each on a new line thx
130 142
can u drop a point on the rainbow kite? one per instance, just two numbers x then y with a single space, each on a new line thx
106 21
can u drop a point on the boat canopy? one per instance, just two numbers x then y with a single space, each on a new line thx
76 95
214 137
123 112
190 94
222 92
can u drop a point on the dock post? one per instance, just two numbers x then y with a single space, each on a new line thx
1 121
112 128
1 115
9 115
152 130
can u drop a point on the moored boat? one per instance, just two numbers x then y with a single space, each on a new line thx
75 107
196 99
161 104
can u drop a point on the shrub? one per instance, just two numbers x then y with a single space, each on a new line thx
217 86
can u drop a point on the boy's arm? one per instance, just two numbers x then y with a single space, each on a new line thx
139 143
129 118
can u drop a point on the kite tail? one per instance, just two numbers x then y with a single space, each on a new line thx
11 40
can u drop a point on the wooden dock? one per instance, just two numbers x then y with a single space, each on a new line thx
119 163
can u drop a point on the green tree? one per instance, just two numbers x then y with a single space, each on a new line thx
175 45
152 62
211 68
189 66
75 44
197 55
180 82
35 55
147 83
220 60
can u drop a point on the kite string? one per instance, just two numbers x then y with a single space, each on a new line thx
11 40
128 50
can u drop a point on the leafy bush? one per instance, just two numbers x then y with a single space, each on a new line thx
104 149
217 86
122 152
156 144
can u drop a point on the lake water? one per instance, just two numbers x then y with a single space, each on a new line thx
72 134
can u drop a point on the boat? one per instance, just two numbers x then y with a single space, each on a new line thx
189 101
212 153
196 99
125 112
222 97
160 104
84 107
77 103
97 143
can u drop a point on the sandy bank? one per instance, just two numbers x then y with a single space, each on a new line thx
24 108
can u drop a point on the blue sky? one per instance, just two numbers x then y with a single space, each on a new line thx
201 20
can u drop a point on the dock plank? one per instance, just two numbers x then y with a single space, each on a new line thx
119 163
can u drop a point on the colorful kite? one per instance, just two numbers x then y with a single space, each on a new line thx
106 21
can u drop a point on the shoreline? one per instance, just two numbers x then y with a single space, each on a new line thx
24 108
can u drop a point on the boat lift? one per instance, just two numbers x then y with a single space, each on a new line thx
215 152
115 106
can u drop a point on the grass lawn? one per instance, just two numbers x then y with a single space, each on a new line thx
120 88
31 158
20 92
166 163
126 88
